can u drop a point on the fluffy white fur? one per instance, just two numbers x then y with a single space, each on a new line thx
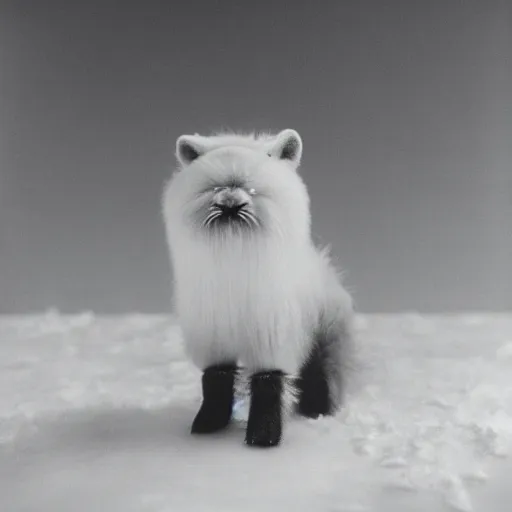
255 297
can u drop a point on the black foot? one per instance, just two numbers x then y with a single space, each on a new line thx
218 389
314 396
264 425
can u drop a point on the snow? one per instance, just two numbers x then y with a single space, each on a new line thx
95 415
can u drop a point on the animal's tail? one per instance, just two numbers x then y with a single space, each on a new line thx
325 373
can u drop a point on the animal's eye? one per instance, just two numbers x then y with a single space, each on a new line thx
252 191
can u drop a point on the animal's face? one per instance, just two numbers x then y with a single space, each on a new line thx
232 184
231 206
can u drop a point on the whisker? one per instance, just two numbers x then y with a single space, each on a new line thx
211 214
248 217
211 220
243 215
211 217
255 220
252 217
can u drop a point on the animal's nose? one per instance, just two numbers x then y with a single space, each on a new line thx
230 207
230 200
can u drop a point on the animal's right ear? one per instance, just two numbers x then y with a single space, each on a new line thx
189 148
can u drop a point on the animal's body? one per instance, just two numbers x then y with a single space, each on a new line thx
250 287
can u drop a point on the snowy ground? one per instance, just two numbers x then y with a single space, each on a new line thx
95 416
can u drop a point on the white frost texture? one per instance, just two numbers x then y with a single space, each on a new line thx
95 415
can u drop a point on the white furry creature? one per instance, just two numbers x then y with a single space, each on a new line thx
250 287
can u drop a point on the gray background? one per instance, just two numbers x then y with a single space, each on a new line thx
404 108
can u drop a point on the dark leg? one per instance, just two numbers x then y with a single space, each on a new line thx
314 399
218 389
264 425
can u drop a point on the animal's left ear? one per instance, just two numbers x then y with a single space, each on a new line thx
288 146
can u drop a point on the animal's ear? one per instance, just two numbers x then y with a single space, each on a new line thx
287 146
189 147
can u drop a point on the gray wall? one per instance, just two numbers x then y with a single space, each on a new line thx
404 107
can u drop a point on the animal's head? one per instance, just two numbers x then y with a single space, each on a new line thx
239 185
